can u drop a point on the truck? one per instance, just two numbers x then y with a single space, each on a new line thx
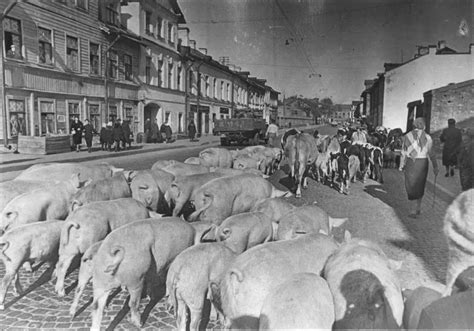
241 131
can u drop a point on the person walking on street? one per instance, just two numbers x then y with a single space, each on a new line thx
155 133
416 149
466 161
126 135
452 139
147 131
271 133
88 134
166 129
109 138
103 137
118 135
191 130
76 131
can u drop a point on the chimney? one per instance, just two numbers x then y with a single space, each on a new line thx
183 34
203 50
192 44
441 44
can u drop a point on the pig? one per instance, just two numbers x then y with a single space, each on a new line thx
131 253
216 157
304 301
188 280
243 231
62 171
149 187
182 188
415 302
110 188
235 172
257 272
458 229
33 243
90 224
85 275
177 168
13 188
222 197
306 219
50 202
376 301
274 208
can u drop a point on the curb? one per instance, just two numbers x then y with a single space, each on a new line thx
18 167
440 191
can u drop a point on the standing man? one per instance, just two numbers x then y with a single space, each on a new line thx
191 130
126 135
76 131
88 134
117 134
452 139
416 149
147 131
271 133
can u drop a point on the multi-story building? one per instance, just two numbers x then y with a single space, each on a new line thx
104 60
431 68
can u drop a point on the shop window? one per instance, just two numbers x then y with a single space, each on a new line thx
12 38
94 116
45 51
127 62
94 59
74 110
113 65
72 53
48 123
148 70
17 117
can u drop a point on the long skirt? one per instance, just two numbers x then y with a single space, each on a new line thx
415 177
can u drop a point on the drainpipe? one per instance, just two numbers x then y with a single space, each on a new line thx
106 87
5 12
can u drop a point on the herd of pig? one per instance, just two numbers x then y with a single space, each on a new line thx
213 229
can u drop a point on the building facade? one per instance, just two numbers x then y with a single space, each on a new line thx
104 60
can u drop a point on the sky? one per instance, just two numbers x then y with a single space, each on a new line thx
324 48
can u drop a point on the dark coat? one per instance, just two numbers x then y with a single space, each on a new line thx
126 131
452 139
155 130
117 132
109 137
168 131
77 128
88 134
192 130
466 165
103 135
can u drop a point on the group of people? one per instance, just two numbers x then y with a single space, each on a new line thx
155 134
111 135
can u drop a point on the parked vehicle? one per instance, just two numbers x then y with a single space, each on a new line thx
241 131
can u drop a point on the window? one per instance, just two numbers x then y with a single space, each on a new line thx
159 27
48 123
191 81
148 70
180 122
112 113
13 38
127 62
228 92
208 85
222 91
73 110
111 14
94 59
170 32
148 25
17 115
82 4
179 78
72 53
45 51
94 115
199 83
160 73
170 74
214 88
113 65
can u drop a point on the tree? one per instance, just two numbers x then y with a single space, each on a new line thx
327 101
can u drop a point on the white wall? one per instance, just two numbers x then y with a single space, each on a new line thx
408 82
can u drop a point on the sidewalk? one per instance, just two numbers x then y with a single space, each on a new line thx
447 188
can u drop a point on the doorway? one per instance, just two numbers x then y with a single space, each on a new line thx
153 111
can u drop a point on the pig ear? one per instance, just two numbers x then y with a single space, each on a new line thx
225 233
394 264
129 174
209 234
11 215
75 180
